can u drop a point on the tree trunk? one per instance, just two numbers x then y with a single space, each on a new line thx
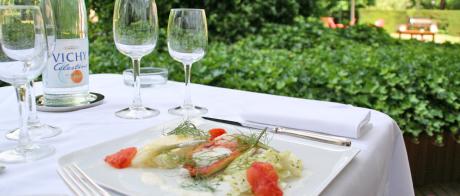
442 5
352 12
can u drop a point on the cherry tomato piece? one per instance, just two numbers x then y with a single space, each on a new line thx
121 159
216 132
263 180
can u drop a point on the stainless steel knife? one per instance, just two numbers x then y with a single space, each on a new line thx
287 131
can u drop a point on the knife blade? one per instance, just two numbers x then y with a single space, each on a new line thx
306 134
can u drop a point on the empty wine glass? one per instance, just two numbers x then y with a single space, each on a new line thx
135 31
23 55
187 42
38 129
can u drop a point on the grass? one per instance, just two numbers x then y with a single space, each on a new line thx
447 20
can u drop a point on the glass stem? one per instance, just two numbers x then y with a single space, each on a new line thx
22 96
187 94
32 118
137 101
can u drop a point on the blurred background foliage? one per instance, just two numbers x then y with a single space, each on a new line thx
234 19
281 47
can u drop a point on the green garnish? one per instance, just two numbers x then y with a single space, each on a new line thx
187 128
259 137
200 184
253 139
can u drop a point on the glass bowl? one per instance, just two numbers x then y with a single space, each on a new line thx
149 76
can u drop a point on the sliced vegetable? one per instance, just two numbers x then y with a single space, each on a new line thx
263 179
216 132
121 159
147 155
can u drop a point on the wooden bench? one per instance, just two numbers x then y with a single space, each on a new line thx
419 26
417 32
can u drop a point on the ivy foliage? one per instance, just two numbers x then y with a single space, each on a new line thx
417 84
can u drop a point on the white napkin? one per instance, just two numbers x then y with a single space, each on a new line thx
330 118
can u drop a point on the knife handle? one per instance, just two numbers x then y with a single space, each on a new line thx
314 136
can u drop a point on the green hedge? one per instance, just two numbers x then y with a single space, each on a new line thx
447 20
231 20
418 84
227 20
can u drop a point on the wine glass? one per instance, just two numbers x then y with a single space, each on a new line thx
187 41
135 31
23 55
38 129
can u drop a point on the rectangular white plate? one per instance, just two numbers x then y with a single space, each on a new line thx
322 162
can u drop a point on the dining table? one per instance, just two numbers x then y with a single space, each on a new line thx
380 168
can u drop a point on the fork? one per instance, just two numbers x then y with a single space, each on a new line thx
79 182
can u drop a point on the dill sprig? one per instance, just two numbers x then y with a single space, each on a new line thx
240 163
175 159
208 158
253 139
187 128
200 184
259 137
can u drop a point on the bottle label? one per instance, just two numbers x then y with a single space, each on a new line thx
68 66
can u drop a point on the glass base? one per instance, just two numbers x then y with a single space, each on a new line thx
137 113
54 97
191 111
36 131
31 153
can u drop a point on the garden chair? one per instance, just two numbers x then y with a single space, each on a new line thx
379 23
329 22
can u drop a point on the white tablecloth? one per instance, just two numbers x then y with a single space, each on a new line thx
381 168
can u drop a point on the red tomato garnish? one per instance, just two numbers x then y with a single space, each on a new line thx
216 132
263 180
121 159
